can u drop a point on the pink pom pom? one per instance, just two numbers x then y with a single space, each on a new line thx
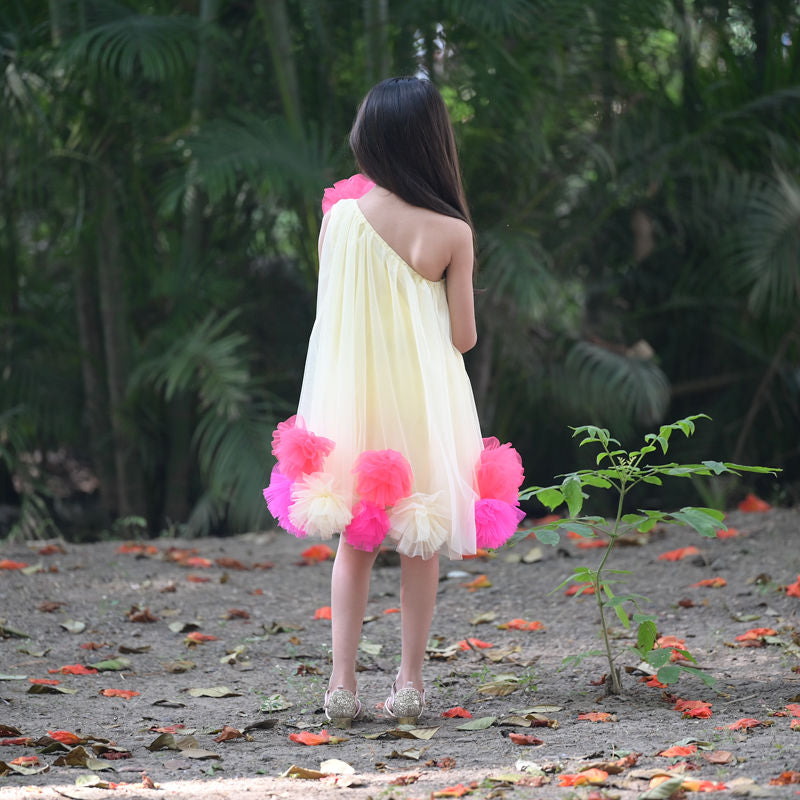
299 452
384 476
350 188
279 500
500 472
368 528
495 522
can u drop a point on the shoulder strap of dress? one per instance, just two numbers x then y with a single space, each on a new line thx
347 189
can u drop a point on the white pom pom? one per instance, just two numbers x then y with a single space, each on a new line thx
317 506
420 524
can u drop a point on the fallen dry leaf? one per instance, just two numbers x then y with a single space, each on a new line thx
137 614
679 554
237 613
481 582
718 757
228 733
786 778
192 578
405 780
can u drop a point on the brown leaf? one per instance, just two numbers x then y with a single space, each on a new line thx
138 614
228 733
237 613
718 757
231 563
442 763
405 780
50 605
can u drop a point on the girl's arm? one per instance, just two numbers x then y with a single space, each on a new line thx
460 297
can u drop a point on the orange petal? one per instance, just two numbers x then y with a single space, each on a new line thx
753 503
323 613
679 554
456 711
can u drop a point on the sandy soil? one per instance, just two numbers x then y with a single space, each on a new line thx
268 613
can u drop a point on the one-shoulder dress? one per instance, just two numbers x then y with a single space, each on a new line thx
386 446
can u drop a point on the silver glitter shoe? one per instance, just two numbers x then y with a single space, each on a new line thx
406 704
341 707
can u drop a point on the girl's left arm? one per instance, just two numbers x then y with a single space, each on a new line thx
460 296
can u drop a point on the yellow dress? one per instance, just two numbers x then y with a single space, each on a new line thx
382 373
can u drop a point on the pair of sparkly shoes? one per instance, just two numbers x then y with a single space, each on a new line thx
405 705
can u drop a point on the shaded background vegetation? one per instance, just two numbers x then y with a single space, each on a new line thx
633 171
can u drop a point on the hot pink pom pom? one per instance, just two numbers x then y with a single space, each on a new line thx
499 472
384 476
299 452
495 522
368 528
353 187
279 500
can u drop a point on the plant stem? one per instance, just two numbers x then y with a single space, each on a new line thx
615 684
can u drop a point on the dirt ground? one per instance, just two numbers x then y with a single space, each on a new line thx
270 652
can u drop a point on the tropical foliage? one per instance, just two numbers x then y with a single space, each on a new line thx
633 173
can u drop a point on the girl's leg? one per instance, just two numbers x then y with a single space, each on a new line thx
419 581
349 591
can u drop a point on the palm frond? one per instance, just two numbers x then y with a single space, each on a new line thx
157 47
764 252
224 152
609 384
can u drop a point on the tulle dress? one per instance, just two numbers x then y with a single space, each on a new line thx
386 447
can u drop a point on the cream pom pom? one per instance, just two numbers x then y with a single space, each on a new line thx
419 524
317 507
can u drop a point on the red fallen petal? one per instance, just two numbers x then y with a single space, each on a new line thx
593 775
308 738
391 611
653 681
8 564
231 563
521 625
192 578
126 694
197 561
678 750
481 582
785 778
755 633
596 716
577 587
712 583
683 705
702 712
730 533
45 681
744 724
168 728
51 549
753 503
679 554
25 761
526 739
459 790
21 741
464 644
65 737
793 589
74 669
793 709
795 725
317 553
479 553
196 636
591 544
456 711
323 613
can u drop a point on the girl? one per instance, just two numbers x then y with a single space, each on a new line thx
386 442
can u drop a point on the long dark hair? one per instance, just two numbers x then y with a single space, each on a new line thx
403 140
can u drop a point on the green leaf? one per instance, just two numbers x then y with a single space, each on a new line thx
669 674
592 479
480 724
582 530
704 520
658 658
112 664
664 790
646 636
655 480
547 536
550 497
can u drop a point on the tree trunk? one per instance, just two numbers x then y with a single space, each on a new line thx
376 30
115 338
180 408
96 409
762 33
690 92
279 39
